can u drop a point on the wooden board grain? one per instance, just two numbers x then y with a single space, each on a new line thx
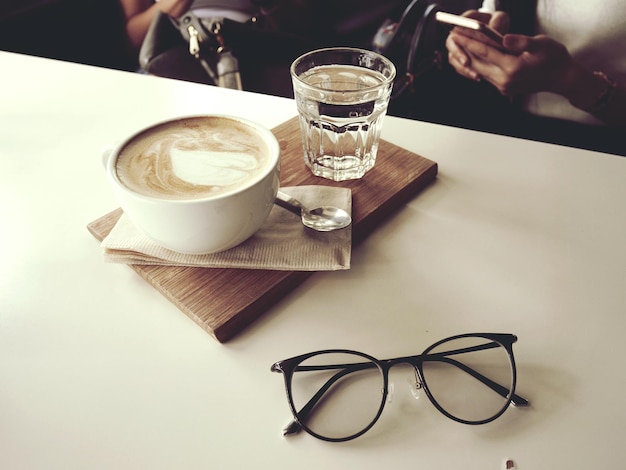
224 301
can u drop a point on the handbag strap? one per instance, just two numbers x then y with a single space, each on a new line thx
419 59
413 44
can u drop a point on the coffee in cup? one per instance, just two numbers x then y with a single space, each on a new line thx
198 184
193 158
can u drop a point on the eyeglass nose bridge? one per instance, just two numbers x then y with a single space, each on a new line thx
415 385
414 381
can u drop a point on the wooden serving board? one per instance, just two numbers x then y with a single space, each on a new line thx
225 301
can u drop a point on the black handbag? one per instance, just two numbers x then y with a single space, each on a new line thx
218 51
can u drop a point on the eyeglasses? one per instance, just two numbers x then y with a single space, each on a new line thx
337 394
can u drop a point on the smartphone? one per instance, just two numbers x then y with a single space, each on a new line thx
469 23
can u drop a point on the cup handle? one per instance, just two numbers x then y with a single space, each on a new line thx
105 154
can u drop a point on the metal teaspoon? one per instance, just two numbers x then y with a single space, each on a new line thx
322 219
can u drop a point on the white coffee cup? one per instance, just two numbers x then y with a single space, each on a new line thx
197 184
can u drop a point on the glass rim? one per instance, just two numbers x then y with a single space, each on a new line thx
388 63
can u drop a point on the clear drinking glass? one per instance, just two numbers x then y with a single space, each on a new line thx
342 96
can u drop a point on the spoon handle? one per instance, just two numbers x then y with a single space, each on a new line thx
286 201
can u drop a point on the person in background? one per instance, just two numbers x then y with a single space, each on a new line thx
574 69
139 15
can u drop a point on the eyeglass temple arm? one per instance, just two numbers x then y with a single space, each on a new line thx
516 400
294 426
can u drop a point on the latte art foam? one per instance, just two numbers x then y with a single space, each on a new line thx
193 158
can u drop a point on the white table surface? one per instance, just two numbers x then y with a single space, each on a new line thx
98 370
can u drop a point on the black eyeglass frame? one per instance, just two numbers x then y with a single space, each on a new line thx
288 366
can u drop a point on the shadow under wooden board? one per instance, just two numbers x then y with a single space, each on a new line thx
224 301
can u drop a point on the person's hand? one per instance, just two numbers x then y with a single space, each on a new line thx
525 65
139 15
459 58
174 8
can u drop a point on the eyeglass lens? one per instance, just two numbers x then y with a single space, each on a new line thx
461 374
344 392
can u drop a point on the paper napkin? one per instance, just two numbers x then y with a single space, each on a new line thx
282 243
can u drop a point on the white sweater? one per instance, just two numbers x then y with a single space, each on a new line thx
595 35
